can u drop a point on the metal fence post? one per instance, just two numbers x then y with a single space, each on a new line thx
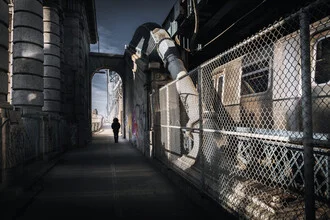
168 163
200 110
307 115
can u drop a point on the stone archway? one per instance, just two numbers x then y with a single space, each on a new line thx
113 62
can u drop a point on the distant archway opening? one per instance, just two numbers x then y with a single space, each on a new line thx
107 98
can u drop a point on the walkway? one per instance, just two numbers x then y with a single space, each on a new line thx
107 180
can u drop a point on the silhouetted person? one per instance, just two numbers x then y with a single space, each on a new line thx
115 128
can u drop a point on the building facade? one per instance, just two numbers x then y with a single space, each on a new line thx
45 85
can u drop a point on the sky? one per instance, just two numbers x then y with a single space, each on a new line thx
117 21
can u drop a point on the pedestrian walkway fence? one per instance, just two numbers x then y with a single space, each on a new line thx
262 128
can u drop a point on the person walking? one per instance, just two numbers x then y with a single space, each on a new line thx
115 128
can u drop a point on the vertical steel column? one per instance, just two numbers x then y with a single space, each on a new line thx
124 107
108 106
168 163
147 127
200 109
307 115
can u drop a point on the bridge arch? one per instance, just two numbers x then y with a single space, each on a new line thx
113 62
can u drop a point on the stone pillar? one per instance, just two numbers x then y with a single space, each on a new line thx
76 50
28 56
4 14
62 61
64 128
52 60
70 67
4 41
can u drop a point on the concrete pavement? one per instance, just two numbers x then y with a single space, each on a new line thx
106 180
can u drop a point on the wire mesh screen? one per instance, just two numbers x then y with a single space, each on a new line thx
246 148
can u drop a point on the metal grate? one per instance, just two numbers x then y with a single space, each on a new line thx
247 148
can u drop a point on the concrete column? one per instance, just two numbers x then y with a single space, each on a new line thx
70 67
28 56
4 41
52 62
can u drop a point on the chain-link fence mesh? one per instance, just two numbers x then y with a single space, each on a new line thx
247 148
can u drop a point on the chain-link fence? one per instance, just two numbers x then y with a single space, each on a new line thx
263 129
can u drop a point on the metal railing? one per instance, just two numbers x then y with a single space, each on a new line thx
261 146
97 122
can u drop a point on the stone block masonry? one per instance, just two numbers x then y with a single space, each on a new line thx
4 12
28 56
52 62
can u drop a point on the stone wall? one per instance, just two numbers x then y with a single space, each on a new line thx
140 104
4 37
52 63
28 56
76 84
46 107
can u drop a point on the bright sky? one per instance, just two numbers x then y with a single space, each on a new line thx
117 21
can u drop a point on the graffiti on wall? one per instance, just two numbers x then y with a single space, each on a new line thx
138 125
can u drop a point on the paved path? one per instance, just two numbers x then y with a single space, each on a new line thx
108 180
